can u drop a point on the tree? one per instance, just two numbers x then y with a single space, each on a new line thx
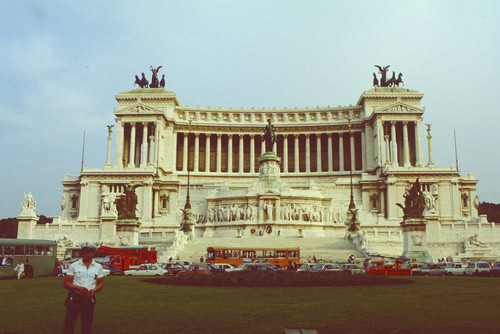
492 211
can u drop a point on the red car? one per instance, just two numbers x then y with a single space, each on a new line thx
200 269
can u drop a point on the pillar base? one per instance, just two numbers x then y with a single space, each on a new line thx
415 242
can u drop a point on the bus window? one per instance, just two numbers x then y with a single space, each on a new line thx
248 254
30 250
281 254
19 250
50 250
269 254
9 250
42 250
293 254
218 254
1 249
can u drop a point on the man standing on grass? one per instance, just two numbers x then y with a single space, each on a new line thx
83 279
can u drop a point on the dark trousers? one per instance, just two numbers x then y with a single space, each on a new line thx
78 304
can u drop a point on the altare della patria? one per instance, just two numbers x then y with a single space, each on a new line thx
325 179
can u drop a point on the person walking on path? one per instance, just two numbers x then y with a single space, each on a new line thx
20 269
83 279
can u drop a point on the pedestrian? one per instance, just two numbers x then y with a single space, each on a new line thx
20 269
83 279
201 258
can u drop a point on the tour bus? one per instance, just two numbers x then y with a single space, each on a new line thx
236 256
38 256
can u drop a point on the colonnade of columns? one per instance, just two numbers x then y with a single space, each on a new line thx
402 144
238 153
135 144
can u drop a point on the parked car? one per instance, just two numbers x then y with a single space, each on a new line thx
146 269
415 268
173 268
224 266
351 268
306 267
478 268
199 269
184 263
325 267
456 269
496 269
260 267
432 269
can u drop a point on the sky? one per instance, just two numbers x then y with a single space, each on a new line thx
63 62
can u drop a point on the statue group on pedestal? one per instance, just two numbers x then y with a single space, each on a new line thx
414 202
126 205
269 136
155 83
384 82
28 207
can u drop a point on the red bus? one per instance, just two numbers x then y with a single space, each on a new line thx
236 256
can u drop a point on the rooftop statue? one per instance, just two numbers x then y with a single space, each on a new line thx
155 83
154 79
414 202
269 136
126 205
384 82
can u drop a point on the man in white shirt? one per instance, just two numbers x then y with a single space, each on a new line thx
83 279
20 269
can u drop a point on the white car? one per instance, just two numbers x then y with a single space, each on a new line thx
225 266
325 267
147 269
478 268
456 269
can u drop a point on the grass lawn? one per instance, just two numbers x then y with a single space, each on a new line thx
129 305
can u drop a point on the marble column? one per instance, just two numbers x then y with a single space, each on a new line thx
296 154
394 145
285 153
229 153
185 153
196 152
429 146
387 149
318 153
353 153
219 151
108 152
418 143
252 153
308 153
341 152
144 153
119 143
131 155
151 149
330 153
241 154
207 153
406 143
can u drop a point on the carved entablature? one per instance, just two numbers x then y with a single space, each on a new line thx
398 107
139 108
278 116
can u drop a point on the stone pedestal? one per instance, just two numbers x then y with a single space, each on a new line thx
107 233
26 226
415 241
127 232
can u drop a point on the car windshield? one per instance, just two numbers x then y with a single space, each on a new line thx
317 266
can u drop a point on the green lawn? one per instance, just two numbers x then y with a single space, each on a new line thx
129 305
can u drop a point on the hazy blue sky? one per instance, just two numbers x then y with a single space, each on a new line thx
62 62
